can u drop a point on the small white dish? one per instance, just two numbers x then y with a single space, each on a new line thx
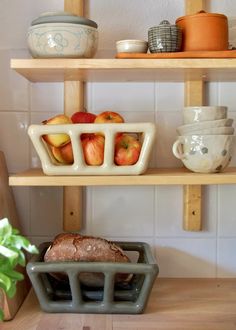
132 46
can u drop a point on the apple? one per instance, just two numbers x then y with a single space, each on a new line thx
93 149
57 140
109 117
83 117
127 150
63 154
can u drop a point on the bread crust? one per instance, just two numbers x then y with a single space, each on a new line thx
75 247
78 248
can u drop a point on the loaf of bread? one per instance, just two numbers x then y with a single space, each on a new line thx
75 247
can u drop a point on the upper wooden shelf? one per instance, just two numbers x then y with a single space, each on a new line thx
112 70
171 176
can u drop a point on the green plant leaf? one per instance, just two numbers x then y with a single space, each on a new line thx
15 231
21 258
1 315
22 242
5 229
14 275
12 290
5 282
11 255
8 253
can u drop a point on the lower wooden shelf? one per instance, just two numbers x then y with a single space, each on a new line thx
158 176
175 304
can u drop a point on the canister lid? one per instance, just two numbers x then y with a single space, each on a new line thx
163 26
202 14
62 17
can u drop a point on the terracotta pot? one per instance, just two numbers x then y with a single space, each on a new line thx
204 31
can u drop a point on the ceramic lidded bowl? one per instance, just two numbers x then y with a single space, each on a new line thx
61 34
62 40
204 153
164 38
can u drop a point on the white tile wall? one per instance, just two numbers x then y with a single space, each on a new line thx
123 211
227 217
226 258
46 210
151 214
123 97
168 206
186 257
166 123
13 88
43 97
14 141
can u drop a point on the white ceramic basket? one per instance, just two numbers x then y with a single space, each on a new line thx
147 132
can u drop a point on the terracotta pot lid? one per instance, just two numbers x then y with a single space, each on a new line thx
63 17
202 14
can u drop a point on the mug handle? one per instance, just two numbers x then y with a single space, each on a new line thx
177 149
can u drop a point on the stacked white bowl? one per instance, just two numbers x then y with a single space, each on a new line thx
205 141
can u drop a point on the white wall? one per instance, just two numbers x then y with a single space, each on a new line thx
151 214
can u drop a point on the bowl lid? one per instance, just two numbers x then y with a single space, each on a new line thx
63 17
201 14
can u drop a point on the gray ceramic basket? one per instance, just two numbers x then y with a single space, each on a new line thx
164 38
73 297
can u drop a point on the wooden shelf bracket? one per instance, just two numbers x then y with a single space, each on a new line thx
194 95
73 101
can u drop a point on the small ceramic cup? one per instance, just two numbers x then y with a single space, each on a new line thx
131 46
204 153
203 113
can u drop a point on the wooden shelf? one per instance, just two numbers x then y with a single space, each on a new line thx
174 304
125 70
171 176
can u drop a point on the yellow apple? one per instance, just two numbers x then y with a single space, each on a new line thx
60 139
64 154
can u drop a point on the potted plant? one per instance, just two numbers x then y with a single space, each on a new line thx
12 245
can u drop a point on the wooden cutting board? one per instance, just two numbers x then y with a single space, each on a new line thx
8 210
187 54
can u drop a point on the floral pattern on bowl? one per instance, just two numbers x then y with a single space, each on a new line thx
62 40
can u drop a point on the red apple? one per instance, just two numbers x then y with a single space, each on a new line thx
93 148
109 117
63 154
57 140
83 117
127 150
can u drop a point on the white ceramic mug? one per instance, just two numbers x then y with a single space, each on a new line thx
204 153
